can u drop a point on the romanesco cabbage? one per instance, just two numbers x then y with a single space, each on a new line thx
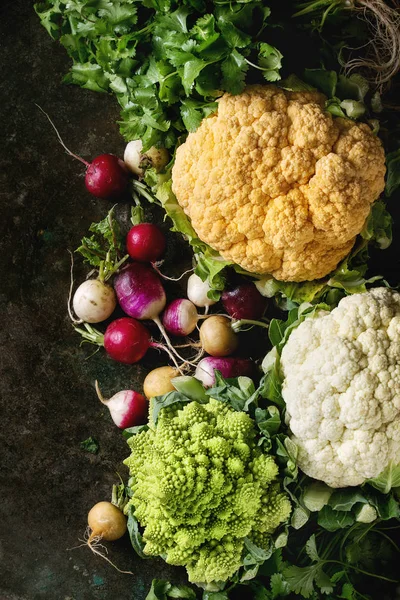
201 485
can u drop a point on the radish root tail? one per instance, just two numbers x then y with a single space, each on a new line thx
94 543
67 150
71 287
382 56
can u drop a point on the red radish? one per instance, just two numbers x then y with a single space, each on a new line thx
228 367
127 407
106 176
126 340
180 317
244 302
145 242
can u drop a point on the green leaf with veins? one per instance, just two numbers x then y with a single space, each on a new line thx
393 172
323 80
270 61
234 69
333 520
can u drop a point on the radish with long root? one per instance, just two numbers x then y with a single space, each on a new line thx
381 60
142 296
127 407
106 176
106 523
125 340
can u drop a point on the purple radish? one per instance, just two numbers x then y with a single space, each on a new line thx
180 317
141 295
228 367
244 302
127 407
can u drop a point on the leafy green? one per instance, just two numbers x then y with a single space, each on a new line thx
90 445
165 60
161 590
136 536
104 249
388 479
332 520
393 172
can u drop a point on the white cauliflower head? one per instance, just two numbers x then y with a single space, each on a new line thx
342 389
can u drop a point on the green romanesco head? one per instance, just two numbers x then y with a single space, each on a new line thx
201 485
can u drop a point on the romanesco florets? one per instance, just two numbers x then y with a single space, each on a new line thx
201 485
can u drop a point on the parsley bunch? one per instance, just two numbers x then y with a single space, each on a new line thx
166 60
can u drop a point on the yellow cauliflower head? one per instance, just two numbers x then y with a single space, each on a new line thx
276 184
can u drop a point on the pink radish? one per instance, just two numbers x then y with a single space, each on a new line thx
180 317
244 302
106 176
228 367
145 242
127 407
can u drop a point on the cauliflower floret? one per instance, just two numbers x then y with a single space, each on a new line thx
276 184
342 389
198 498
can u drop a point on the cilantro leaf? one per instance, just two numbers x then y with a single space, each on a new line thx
234 69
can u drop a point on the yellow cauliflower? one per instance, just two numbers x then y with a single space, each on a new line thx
276 184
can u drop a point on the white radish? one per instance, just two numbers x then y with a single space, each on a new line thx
197 291
94 301
133 156
136 160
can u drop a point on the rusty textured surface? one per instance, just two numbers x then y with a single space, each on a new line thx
48 405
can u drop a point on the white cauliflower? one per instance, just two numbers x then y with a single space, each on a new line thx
342 388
